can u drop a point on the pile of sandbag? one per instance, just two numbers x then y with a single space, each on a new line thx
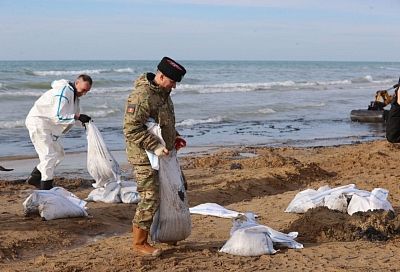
54 203
115 192
343 198
249 238
106 172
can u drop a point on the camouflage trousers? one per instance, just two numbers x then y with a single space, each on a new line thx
148 188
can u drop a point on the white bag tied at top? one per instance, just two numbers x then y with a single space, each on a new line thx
55 203
101 164
249 238
172 221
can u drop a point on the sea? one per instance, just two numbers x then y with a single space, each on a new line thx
218 103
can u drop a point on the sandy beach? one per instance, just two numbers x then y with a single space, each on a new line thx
259 179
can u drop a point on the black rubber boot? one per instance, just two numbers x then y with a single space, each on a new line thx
46 184
35 178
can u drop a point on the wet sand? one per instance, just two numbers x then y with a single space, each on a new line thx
257 179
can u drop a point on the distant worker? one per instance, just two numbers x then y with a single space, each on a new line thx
52 116
150 98
393 121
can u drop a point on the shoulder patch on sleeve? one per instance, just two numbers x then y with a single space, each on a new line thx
130 108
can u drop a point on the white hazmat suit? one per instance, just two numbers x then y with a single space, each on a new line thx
52 115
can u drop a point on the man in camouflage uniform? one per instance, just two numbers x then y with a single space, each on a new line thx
150 98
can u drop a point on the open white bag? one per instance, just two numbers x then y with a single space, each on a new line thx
172 221
106 172
101 164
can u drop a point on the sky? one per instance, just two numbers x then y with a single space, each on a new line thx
339 30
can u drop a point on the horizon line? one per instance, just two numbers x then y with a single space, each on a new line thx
227 60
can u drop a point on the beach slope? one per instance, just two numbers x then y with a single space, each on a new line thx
258 179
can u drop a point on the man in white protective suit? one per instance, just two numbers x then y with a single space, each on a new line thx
52 116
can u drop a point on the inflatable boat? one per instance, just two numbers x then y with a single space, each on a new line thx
369 116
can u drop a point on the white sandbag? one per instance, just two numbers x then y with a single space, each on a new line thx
115 192
101 164
252 241
107 194
128 192
248 238
336 202
358 204
377 200
213 209
303 201
55 203
172 222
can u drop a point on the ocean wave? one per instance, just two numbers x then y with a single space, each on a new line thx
390 68
274 85
31 93
192 122
312 105
102 113
370 79
123 70
251 87
78 72
111 90
20 93
266 110
12 124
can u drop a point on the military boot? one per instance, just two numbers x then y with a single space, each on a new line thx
140 244
35 178
46 184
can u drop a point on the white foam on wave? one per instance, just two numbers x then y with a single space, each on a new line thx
77 72
110 90
101 113
20 93
266 110
390 68
312 105
370 79
72 72
332 82
123 70
192 122
232 87
12 124
251 87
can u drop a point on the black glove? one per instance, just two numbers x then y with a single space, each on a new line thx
84 118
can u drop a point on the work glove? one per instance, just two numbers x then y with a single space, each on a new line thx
179 143
84 118
161 151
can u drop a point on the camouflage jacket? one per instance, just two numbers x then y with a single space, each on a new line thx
147 101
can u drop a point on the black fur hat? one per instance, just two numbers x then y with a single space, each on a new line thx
171 69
